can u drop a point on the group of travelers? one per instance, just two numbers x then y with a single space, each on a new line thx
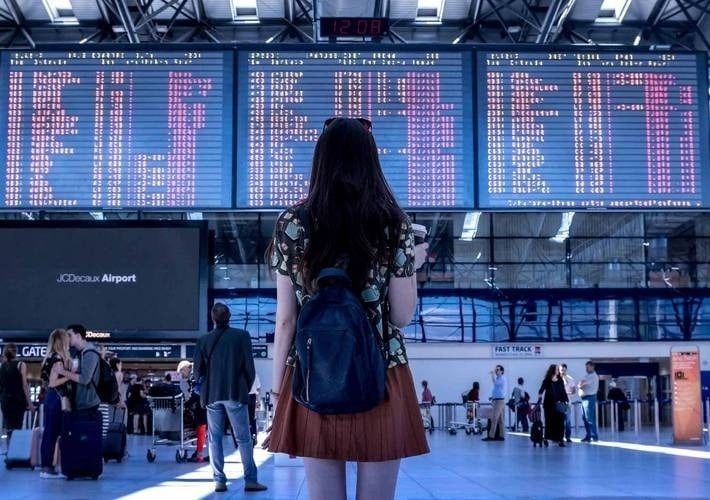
69 385
557 392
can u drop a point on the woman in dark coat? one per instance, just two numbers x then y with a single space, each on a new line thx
551 392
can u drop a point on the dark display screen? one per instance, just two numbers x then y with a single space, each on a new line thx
419 102
117 278
116 129
592 130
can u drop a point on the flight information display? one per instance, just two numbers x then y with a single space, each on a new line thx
419 102
603 129
116 129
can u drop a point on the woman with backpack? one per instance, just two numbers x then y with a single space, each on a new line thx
350 220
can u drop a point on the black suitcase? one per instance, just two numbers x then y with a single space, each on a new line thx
114 447
81 444
489 424
115 442
536 433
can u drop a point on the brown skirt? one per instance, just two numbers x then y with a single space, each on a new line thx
390 431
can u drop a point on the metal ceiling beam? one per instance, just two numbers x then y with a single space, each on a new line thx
506 30
694 22
20 22
550 17
290 20
126 20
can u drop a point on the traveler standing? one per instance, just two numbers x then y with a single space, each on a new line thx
351 220
137 403
500 388
58 389
522 406
552 392
14 391
224 360
86 377
474 393
117 368
427 397
571 390
81 444
622 404
588 387
192 403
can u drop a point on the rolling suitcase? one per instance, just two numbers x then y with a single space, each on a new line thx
81 446
115 441
537 430
25 443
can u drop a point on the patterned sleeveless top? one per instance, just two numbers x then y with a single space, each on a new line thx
290 242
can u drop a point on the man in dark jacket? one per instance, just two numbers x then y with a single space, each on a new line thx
224 362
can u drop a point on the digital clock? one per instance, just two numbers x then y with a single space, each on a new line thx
354 26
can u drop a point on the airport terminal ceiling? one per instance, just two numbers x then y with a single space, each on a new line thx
676 24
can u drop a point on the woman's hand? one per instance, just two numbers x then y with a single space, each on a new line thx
420 254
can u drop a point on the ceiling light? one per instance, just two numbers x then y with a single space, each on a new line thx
429 10
244 10
563 231
470 226
612 11
60 11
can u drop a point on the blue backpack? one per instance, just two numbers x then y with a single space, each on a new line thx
340 366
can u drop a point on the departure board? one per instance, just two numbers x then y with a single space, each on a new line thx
116 128
419 102
604 129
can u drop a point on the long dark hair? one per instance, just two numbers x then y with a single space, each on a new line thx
351 211
551 370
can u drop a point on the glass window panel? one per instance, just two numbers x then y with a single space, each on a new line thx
607 250
254 314
604 225
659 320
608 275
471 276
440 318
486 316
672 223
225 276
702 326
517 224
530 276
527 250
601 319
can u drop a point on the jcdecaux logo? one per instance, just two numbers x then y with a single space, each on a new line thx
114 279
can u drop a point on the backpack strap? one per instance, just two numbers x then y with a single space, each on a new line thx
330 274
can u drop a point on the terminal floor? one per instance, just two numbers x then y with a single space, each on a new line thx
458 467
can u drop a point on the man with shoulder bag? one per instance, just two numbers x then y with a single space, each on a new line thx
224 363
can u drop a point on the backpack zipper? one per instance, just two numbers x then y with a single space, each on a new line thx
308 369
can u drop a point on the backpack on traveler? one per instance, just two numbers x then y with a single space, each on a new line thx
107 386
341 364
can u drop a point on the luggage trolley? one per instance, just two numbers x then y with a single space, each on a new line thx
427 419
472 424
168 426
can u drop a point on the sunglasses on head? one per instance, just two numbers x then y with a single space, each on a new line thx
363 121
